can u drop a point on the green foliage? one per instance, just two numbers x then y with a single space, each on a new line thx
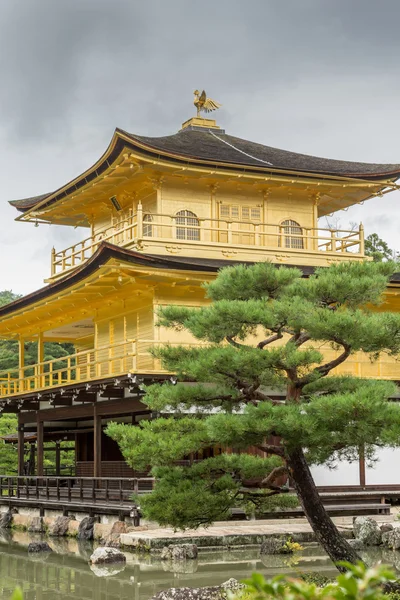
377 248
357 583
17 594
263 334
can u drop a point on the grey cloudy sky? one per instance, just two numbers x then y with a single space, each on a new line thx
313 76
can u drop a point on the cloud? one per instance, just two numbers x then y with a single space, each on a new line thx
314 76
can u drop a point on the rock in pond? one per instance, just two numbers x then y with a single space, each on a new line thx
86 526
367 531
106 570
356 544
179 552
391 539
218 592
384 527
106 556
39 547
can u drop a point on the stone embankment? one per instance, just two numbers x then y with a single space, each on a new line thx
87 528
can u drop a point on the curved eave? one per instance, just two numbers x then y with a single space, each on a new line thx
106 252
122 140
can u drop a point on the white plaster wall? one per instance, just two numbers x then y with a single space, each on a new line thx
344 474
386 470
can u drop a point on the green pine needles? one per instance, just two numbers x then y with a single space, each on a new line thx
258 375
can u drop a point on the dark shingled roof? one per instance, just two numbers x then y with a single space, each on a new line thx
219 147
201 145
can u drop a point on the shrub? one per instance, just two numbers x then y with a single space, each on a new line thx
357 583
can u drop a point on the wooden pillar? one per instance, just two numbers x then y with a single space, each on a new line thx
21 448
40 449
40 359
361 455
96 442
21 363
58 459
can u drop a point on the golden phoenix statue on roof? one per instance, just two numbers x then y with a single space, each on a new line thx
202 103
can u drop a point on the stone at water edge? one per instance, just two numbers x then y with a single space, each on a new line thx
107 555
86 527
114 538
6 518
179 552
356 544
391 539
384 527
367 531
39 547
233 585
60 526
217 592
271 546
36 525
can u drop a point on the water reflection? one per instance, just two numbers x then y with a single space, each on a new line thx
66 572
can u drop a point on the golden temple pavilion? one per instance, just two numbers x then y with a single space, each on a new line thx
164 214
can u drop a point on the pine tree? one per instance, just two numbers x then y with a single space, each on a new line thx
265 329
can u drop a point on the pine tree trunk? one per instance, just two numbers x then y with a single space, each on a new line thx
327 534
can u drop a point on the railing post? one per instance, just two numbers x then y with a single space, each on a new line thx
230 235
53 262
333 240
362 241
139 217
257 237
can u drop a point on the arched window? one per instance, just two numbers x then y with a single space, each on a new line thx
187 226
292 235
147 226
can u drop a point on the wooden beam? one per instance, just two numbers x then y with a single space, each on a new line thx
21 448
96 442
40 453
58 459
105 408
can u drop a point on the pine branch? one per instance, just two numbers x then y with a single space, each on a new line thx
234 343
272 449
272 338
275 473
323 370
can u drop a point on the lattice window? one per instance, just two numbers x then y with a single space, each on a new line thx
236 212
147 226
188 226
293 234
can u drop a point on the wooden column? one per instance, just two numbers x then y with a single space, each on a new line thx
58 459
21 448
40 450
96 442
40 358
21 362
361 455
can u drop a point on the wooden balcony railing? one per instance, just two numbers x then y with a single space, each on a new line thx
195 231
97 363
88 492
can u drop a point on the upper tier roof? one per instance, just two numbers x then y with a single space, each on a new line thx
199 145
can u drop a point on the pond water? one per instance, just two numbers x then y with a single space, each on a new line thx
66 574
